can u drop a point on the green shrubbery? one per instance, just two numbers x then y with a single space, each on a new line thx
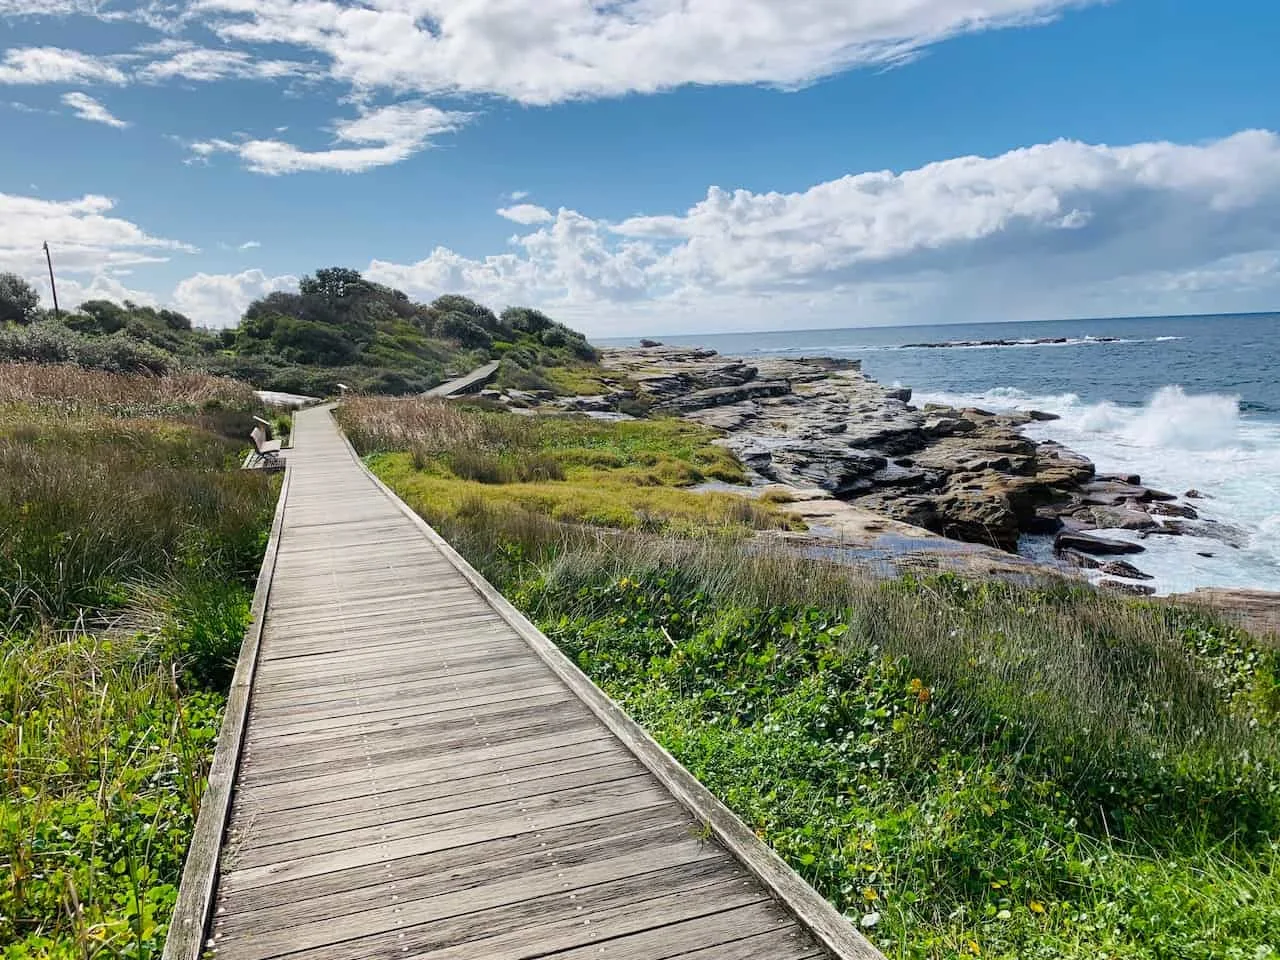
129 542
338 328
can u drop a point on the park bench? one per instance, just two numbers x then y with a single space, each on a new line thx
266 453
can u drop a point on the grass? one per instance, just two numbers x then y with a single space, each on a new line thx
128 544
964 768
448 460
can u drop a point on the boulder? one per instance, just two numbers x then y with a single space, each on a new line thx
899 393
1077 559
1042 416
1098 546
1121 518
1122 568
1194 494
650 343
1164 508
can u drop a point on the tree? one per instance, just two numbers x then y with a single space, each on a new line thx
19 302
335 285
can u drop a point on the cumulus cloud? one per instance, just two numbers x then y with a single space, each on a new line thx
87 108
526 213
219 300
562 49
32 65
84 237
249 245
393 132
1017 231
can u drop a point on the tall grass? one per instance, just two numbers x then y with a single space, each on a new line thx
128 544
97 390
450 458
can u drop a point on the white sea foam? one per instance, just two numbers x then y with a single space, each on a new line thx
1177 441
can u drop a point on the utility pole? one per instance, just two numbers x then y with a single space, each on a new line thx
57 315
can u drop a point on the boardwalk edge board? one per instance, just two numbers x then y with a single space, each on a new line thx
192 912
814 912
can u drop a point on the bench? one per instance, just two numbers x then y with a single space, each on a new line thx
266 453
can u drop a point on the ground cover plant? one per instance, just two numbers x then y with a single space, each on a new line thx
129 542
965 769
448 459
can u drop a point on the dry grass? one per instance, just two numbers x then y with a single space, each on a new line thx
67 384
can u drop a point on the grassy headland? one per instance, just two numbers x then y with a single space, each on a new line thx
337 328
129 542
966 769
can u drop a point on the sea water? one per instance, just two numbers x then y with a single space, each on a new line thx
1187 402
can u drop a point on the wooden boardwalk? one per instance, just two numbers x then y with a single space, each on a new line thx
421 775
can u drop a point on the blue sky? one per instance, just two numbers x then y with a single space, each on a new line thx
652 166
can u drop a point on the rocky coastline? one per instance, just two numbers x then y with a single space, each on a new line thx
877 478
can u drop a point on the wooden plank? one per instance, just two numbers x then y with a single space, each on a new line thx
429 900
467 832
417 771
755 932
402 823
396 792
345 889
310 822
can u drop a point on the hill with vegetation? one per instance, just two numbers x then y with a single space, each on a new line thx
337 328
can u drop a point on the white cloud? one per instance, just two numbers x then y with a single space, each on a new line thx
185 61
72 291
84 238
32 65
219 300
527 213
396 132
249 245
1027 233
556 50
517 195
87 108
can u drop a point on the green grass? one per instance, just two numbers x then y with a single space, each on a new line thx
449 461
965 769
129 542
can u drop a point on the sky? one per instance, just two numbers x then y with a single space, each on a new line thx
652 166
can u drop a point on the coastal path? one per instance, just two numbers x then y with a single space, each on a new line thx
408 768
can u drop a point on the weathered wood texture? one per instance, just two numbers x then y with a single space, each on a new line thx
467 383
418 779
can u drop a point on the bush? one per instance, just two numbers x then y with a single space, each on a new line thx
19 302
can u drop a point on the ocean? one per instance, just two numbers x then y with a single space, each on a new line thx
1187 402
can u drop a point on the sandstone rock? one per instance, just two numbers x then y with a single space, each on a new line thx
721 396
1042 416
1257 611
1099 546
899 393
1132 479
1120 518
1077 559
1122 568
1130 589
1166 509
